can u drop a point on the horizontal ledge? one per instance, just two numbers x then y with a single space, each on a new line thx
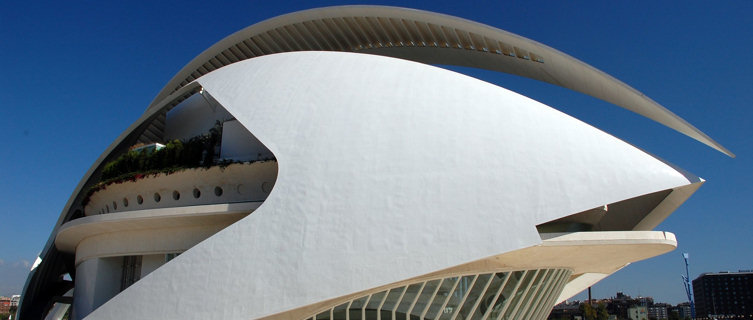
72 233
608 238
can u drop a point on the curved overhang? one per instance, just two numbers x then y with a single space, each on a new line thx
425 37
116 234
590 256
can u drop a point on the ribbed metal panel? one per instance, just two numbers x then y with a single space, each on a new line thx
350 34
524 294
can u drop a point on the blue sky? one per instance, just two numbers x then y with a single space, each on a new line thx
75 75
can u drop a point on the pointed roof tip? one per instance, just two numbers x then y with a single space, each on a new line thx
724 150
701 137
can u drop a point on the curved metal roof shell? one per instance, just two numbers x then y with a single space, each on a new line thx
425 37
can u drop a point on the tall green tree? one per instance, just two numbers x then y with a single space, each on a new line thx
602 313
588 311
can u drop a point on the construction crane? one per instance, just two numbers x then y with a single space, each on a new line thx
686 284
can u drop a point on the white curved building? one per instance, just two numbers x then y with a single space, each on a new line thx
347 178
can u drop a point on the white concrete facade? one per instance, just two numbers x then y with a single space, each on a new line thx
353 200
397 189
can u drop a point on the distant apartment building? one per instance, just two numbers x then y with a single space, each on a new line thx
638 313
619 304
566 310
4 305
658 311
14 299
622 306
683 310
724 295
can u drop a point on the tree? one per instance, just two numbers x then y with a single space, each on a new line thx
589 313
594 313
602 313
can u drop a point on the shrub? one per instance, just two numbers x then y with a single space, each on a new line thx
196 152
177 155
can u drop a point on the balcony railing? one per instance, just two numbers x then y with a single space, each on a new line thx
239 182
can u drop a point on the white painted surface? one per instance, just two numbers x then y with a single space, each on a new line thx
577 285
240 145
193 117
147 231
57 312
366 185
97 280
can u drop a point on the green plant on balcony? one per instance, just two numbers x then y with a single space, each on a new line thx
177 155
196 152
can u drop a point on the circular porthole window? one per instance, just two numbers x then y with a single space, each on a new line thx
176 195
217 191
157 197
139 199
196 193
114 206
125 202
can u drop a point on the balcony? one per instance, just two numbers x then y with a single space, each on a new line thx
235 183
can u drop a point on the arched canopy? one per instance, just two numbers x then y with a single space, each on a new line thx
425 37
